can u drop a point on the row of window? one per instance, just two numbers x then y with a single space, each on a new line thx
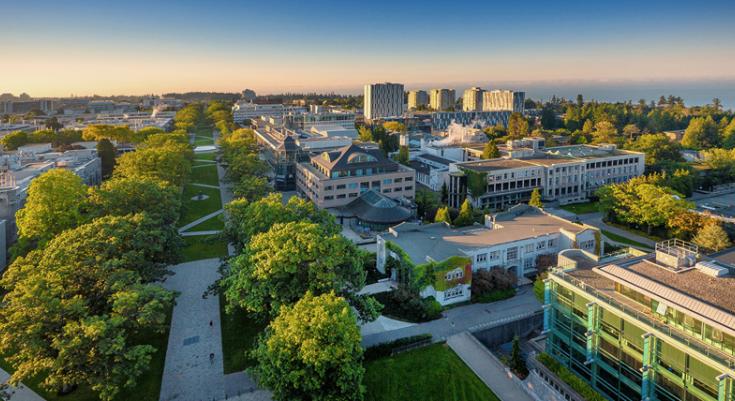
610 163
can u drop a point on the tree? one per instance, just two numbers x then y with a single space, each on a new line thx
121 196
55 203
631 130
394 126
279 266
702 133
728 135
72 310
312 351
490 151
170 163
605 132
658 149
252 187
365 134
106 153
14 140
442 216
96 132
53 124
466 216
246 218
588 127
517 126
712 237
536 199
517 363
427 203
444 193
686 225
403 155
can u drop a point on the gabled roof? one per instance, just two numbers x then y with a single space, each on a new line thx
352 156
374 207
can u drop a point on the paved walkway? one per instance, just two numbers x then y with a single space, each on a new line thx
459 319
486 367
193 369
198 233
20 393
196 184
199 221
595 219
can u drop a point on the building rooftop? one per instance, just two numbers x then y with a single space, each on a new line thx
353 156
439 241
495 164
437 159
374 207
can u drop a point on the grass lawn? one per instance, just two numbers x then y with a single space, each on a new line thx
203 247
203 141
194 209
581 208
206 174
494 296
239 333
148 387
210 156
624 240
433 373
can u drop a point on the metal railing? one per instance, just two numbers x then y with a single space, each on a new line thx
703 348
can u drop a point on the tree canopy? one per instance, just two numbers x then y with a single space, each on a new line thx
171 163
122 196
312 351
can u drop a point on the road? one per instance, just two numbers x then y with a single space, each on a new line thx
463 318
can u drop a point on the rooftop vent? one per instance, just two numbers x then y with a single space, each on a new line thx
676 254
712 269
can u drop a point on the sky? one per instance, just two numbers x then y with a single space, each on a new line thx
60 48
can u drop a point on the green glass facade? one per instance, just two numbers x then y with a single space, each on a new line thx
628 355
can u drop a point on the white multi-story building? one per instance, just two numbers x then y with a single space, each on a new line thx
511 240
504 100
472 99
243 110
567 174
442 99
383 100
417 98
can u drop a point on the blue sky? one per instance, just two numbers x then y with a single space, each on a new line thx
83 47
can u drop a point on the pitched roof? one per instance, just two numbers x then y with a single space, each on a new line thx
352 156
374 207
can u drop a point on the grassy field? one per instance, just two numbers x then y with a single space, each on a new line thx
148 387
194 209
239 333
203 247
581 208
215 223
204 174
434 373
624 240
211 156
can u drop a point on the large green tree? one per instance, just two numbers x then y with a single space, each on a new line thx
56 202
312 351
122 196
71 311
106 153
490 151
702 133
466 215
171 163
247 219
279 266
658 149
712 237
517 126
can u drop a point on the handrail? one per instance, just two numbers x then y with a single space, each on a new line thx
705 349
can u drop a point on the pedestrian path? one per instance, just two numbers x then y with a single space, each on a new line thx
199 221
199 233
196 184
194 366
486 367
20 393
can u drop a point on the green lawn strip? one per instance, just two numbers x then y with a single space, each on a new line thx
239 332
200 141
203 247
205 175
636 231
210 156
194 209
433 373
581 208
624 240
147 388
215 223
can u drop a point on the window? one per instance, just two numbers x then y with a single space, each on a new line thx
455 292
587 244
481 257
387 181
341 186
353 195
530 248
529 263
375 184
399 179
353 185
341 196
541 245
454 274
408 188
512 253
387 190
409 179
494 255
328 188
329 197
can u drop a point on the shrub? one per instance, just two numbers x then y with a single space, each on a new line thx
492 284
408 305
575 382
386 349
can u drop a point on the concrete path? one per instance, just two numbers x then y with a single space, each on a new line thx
379 287
199 221
198 233
469 317
20 393
196 184
383 324
595 219
203 165
194 369
486 367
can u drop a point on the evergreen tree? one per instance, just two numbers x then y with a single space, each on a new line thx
442 215
536 199
444 193
403 155
490 151
106 152
712 237
517 364
465 217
